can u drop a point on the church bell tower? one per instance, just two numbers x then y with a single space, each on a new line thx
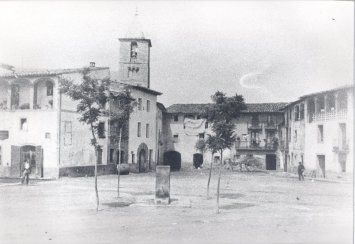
134 58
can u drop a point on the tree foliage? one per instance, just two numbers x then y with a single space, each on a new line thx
221 114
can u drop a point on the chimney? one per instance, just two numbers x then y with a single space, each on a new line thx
92 64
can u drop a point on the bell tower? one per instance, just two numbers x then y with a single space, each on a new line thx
134 57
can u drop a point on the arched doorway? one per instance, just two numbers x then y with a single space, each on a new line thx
142 154
141 161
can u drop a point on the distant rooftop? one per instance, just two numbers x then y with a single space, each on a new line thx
327 91
116 85
194 108
35 73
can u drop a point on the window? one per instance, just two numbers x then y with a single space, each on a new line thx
118 157
67 133
295 136
133 159
201 135
130 72
148 106
23 124
289 133
176 118
147 130
302 111
99 155
139 129
189 116
297 112
101 130
198 117
111 154
47 135
176 138
139 103
206 125
49 88
320 134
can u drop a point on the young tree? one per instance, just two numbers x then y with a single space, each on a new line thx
121 107
212 146
92 96
201 147
221 114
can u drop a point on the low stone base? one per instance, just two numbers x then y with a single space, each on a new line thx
80 171
162 201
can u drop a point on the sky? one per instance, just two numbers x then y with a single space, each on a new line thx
267 51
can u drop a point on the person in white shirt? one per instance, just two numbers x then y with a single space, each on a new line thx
26 173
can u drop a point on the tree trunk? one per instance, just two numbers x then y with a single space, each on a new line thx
96 191
209 178
219 180
119 163
96 162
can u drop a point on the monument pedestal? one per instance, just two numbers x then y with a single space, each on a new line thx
162 185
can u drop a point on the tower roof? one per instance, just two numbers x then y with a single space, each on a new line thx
135 30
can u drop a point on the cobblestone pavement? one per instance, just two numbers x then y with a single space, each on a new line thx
255 208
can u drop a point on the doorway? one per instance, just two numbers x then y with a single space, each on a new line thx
270 162
141 160
321 163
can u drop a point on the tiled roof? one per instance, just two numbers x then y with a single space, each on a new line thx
327 91
52 72
251 108
161 106
117 85
264 107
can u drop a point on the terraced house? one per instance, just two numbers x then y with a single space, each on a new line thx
257 131
39 124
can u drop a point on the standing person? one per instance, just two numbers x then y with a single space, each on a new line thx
300 171
26 173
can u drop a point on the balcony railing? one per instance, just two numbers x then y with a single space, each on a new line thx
255 126
256 145
330 115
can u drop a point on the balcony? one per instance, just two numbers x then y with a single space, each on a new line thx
330 115
256 145
270 126
255 127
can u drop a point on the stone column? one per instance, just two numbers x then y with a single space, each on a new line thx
9 96
31 95
316 107
326 103
336 103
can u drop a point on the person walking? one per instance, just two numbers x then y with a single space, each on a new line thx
26 173
300 171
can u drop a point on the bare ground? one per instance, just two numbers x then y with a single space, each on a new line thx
255 208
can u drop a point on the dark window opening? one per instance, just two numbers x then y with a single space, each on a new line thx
139 129
320 134
176 118
134 49
23 124
111 154
49 88
147 130
101 130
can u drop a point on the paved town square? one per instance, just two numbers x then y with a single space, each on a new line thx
256 207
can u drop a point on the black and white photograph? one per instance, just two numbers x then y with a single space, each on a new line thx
173 122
